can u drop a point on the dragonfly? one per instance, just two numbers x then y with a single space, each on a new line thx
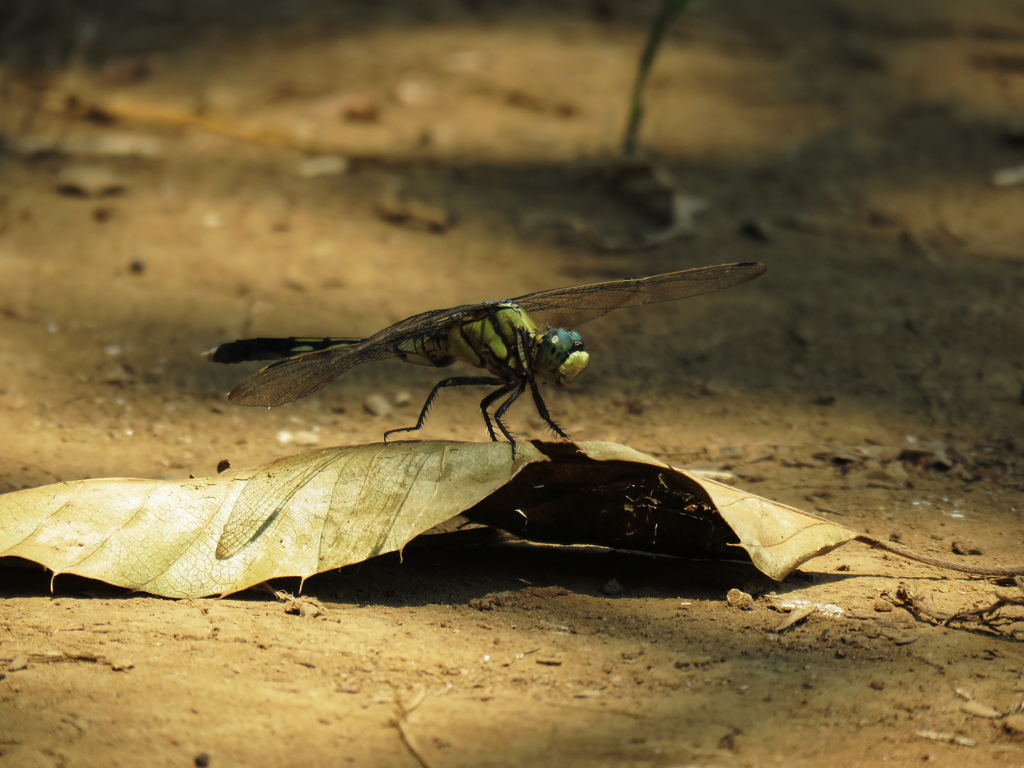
518 342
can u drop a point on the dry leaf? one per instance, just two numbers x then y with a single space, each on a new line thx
325 509
796 615
295 517
777 538
608 494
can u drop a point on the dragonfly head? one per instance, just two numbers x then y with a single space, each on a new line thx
560 357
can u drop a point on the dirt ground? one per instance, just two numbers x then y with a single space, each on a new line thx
157 197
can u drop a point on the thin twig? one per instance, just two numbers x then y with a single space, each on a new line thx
403 711
923 610
977 570
668 11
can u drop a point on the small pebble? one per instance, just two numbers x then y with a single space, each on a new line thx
739 599
612 588
1008 177
903 639
299 437
896 471
463 61
757 229
110 145
1014 725
306 608
416 214
322 165
415 93
377 405
360 110
490 602
117 145
89 181
965 547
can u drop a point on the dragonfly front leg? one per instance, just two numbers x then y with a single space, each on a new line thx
456 381
527 352
542 409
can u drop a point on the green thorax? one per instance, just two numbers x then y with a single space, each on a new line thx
494 342
507 343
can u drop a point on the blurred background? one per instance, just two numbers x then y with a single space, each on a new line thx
175 174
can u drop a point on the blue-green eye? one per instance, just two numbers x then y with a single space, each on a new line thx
555 347
560 357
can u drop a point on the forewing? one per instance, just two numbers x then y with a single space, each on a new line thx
298 376
570 307
287 380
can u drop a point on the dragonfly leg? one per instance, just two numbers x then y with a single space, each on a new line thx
542 409
516 389
456 381
527 348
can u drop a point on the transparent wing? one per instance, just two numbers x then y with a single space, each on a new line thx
298 376
303 374
570 307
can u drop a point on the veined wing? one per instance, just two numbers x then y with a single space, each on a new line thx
303 374
570 307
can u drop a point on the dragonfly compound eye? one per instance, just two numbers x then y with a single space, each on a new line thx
560 357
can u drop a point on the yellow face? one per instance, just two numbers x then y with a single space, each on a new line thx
560 357
572 367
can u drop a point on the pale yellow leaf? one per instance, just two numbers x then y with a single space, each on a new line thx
295 517
322 510
777 537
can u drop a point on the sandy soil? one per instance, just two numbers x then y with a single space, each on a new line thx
154 202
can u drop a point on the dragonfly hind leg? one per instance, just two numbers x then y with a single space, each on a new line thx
456 381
